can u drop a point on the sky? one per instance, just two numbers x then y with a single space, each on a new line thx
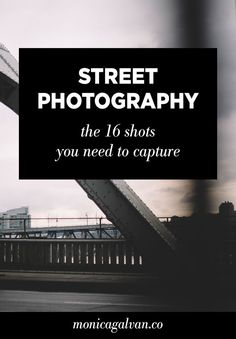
123 23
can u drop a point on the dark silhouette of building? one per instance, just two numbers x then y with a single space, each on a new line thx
226 209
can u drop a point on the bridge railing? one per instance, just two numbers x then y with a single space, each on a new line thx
104 255
74 255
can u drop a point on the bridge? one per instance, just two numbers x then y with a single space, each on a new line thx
84 231
121 205
99 228
87 227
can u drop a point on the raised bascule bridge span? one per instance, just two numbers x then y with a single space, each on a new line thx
120 204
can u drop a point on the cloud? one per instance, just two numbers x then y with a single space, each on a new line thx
164 197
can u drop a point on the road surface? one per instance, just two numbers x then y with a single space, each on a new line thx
32 301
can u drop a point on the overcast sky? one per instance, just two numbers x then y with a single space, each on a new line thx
106 23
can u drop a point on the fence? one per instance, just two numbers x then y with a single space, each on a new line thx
104 255
74 255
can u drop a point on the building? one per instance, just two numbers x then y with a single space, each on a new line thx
15 219
226 209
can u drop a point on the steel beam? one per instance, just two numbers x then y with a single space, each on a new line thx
123 207
9 80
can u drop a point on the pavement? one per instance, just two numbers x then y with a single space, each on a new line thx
29 291
83 291
35 301
79 282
